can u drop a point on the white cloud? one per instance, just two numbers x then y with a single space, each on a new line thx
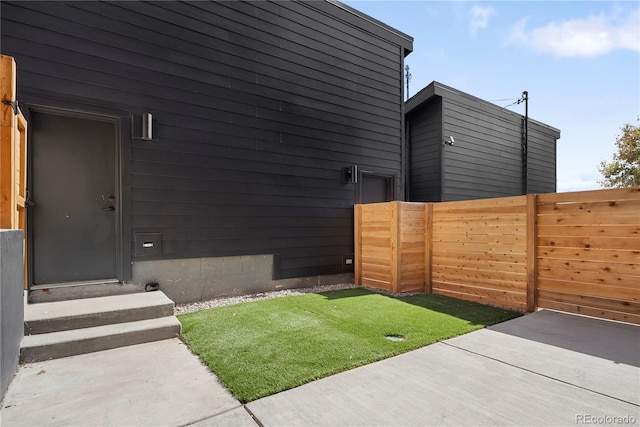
588 37
572 177
479 18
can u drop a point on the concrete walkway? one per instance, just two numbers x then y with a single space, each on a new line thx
545 368
153 384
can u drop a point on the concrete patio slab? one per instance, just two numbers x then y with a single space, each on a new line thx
154 384
446 384
593 354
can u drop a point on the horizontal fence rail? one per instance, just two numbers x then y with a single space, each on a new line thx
479 251
589 253
575 252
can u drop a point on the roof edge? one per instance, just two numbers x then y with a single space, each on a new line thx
406 41
439 89
420 98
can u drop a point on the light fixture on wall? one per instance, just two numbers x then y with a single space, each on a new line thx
147 126
350 174
448 140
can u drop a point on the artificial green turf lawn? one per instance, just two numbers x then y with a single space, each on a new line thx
263 347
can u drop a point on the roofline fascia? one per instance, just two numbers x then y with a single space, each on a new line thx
407 39
439 89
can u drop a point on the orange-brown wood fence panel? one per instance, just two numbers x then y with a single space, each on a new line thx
411 229
589 253
575 252
373 256
479 251
13 153
390 246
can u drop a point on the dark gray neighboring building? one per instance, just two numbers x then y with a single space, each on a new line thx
486 157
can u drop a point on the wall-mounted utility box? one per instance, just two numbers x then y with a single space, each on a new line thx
347 262
148 244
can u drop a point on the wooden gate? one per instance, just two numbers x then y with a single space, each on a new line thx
13 153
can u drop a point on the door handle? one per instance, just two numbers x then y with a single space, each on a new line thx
28 202
109 208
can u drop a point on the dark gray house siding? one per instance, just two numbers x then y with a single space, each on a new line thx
541 165
486 158
424 128
258 107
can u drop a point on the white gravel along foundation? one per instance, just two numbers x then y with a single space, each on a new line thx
220 302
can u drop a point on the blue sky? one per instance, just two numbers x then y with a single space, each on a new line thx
579 61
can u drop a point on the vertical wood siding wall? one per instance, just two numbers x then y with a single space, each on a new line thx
259 106
575 252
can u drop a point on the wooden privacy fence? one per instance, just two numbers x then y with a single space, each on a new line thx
13 152
479 251
576 252
390 246
588 248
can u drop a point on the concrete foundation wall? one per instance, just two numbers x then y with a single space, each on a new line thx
11 304
200 279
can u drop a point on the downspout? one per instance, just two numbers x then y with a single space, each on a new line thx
442 151
403 151
525 143
407 175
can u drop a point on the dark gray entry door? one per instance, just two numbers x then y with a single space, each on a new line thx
73 187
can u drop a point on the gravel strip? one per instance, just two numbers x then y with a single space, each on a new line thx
220 302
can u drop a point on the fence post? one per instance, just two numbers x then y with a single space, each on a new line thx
395 228
357 252
7 154
532 251
428 246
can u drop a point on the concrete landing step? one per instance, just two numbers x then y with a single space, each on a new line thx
80 290
54 345
90 312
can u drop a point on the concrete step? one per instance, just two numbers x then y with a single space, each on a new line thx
54 345
79 290
59 316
